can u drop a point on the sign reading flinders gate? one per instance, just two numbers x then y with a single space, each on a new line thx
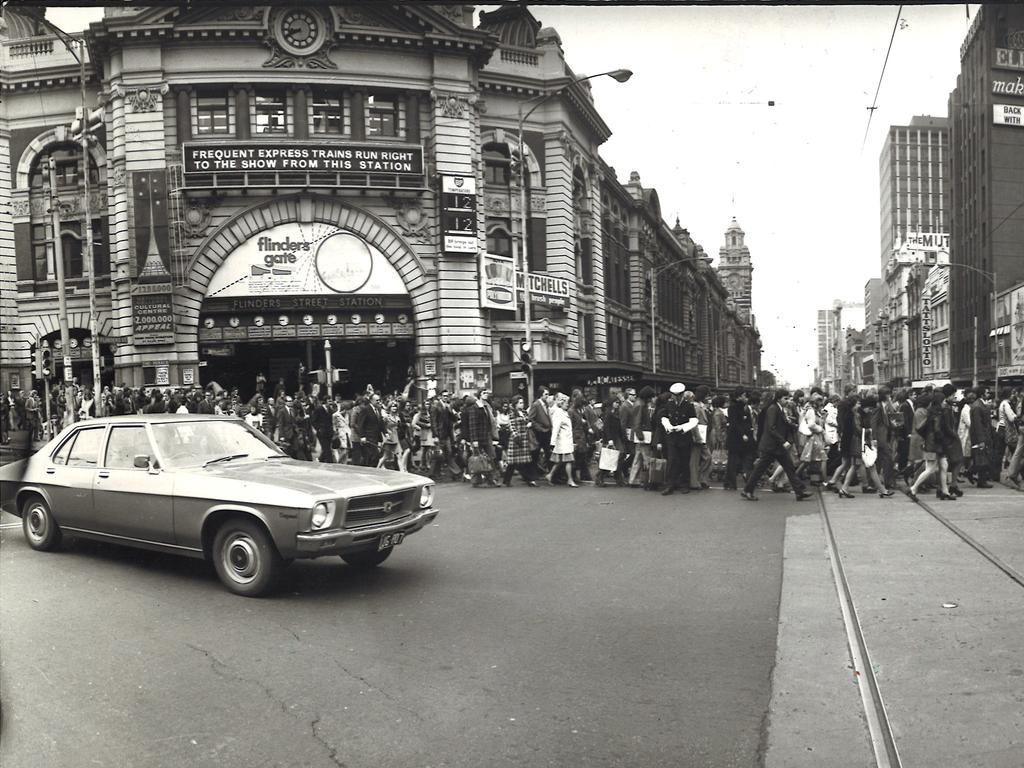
303 157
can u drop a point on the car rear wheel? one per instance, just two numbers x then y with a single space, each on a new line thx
245 558
41 530
367 558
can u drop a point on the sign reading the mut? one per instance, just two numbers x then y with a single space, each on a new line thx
400 159
928 241
306 259
1008 114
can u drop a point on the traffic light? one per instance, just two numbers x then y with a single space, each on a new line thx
46 362
526 357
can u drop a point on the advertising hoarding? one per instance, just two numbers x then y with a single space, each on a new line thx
300 157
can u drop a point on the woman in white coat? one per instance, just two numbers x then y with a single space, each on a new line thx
561 440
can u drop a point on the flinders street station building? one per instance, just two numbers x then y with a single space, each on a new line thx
269 185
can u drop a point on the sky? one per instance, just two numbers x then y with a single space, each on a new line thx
800 177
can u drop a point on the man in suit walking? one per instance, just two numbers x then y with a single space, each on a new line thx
540 424
773 445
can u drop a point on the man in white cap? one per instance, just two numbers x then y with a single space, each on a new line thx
678 419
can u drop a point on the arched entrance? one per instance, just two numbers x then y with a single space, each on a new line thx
288 276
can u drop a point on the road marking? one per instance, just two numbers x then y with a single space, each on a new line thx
10 525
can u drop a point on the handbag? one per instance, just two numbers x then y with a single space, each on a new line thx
609 460
480 464
868 454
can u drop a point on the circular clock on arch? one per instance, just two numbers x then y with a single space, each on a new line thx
300 31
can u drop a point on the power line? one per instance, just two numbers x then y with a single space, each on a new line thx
874 103
1006 218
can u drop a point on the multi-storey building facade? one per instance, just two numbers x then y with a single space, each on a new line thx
826 371
986 117
268 179
914 197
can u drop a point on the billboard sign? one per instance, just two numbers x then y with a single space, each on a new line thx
1008 114
458 214
296 157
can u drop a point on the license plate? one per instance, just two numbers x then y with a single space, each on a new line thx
389 540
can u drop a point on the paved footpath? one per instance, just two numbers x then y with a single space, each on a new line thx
943 627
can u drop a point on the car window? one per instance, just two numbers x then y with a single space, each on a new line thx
61 456
124 444
187 443
86 448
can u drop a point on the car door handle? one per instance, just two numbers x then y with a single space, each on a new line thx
103 473
50 471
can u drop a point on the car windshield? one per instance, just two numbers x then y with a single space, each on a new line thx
186 443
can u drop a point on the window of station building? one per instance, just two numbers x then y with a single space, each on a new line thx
68 162
328 112
382 117
43 267
499 241
212 114
497 164
271 111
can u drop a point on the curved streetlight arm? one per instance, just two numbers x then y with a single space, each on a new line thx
620 75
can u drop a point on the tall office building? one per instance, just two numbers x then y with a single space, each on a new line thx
986 114
826 350
914 194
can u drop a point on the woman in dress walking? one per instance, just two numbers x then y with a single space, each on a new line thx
561 441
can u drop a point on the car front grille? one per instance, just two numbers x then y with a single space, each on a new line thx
366 510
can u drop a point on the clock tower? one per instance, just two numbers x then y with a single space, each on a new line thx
735 270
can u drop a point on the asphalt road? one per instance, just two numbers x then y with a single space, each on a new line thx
527 627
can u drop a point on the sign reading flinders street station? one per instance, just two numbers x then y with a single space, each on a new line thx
316 271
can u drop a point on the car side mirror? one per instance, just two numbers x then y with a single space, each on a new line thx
142 462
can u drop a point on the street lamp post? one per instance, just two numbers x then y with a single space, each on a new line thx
619 75
651 274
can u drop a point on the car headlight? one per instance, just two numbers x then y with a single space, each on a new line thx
426 496
323 513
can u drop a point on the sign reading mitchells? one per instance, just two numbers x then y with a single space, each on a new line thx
496 285
302 157
1008 114
458 214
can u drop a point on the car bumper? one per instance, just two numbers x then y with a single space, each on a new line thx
336 542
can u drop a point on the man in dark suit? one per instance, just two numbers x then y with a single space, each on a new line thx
540 424
881 431
286 431
774 446
981 438
907 425
321 422
367 432
442 420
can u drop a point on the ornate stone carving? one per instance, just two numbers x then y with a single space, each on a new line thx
1015 39
147 98
116 176
412 219
455 105
281 59
196 218
453 13
20 208
571 147
348 14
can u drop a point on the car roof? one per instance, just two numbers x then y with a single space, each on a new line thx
156 417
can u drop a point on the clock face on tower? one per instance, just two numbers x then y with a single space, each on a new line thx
300 30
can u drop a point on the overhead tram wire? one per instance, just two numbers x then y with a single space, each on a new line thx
874 103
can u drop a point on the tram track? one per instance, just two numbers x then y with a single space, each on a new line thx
882 740
973 543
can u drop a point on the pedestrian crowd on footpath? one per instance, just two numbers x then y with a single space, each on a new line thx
675 441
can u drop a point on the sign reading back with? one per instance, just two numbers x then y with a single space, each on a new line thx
394 159
294 258
1008 114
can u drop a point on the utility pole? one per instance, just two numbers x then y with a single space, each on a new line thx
62 303
88 257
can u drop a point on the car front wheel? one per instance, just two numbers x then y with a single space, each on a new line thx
41 530
245 558
368 558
